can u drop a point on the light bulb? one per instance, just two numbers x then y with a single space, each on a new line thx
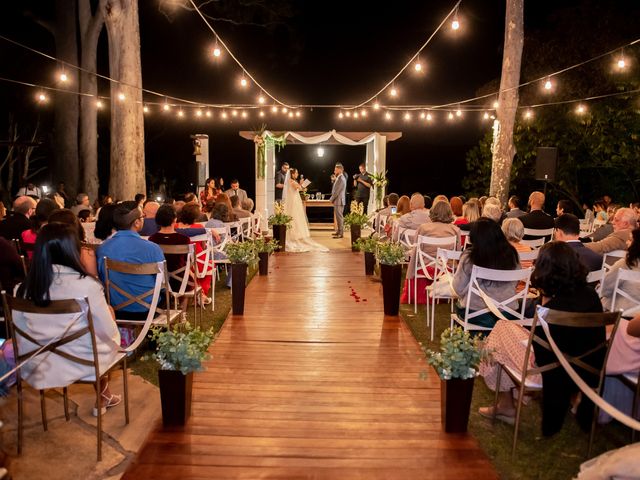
290 114
363 112
528 114
180 113
244 114
455 25
355 114
407 116
485 116
622 64
224 115
208 113
458 113
548 85
217 52
63 77
122 97
298 113
429 117
341 115
418 67
581 109
348 113
423 115
393 92
198 113
243 82
145 109
99 104
274 109
261 100
234 113
166 107
285 109
41 97
376 106
261 113
387 116
450 116
320 152
496 104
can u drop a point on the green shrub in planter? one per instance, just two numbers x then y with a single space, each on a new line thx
265 246
279 217
366 244
356 215
390 253
182 348
242 252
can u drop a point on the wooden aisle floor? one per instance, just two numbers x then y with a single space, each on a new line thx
312 383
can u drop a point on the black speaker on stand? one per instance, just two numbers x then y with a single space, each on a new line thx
546 163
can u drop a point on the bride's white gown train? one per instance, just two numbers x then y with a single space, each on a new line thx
298 236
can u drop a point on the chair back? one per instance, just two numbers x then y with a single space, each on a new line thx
610 258
497 307
406 237
245 228
622 291
597 223
446 261
256 226
539 232
28 343
529 256
186 274
596 276
203 259
381 222
425 260
234 226
533 243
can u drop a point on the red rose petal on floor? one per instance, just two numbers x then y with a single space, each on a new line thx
357 301
364 299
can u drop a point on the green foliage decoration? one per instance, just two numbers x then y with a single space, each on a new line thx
459 356
182 347
390 253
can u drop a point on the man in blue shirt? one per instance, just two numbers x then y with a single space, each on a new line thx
126 245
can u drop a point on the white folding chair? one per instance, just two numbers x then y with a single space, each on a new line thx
609 258
407 237
528 256
424 261
446 265
497 307
218 254
256 224
245 228
586 227
186 275
231 226
539 232
597 224
534 243
596 276
620 292
381 222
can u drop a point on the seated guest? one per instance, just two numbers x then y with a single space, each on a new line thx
600 210
247 205
489 249
18 221
392 200
85 216
568 230
140 198
456 206
11 271
236 191
239 212
82 203
536 218
42 212
87 255
561 279
470 213
188 219
56 273
514 231
418 214
589 216
564 206
514 207
624 221
150 227
495 202
492 212
630 262
208 193
166 219
403 207
126 245
223 198
440 198
105 227
219 216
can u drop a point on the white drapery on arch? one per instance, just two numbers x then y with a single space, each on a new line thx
376 161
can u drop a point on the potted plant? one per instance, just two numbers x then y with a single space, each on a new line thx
457 365
280 221
379 183
264 247
180 351
390 256
368 246
355 219
241 255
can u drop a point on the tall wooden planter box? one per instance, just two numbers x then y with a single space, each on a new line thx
175 397
264 263
369 262
391 277
238 286
455 396
280 235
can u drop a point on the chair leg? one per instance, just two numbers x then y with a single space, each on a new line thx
495 398
20 415
433 316
125 386
43 408
592 433
517 424
635 409
65 397
99 426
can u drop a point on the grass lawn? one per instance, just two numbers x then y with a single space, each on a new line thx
147 368
558 457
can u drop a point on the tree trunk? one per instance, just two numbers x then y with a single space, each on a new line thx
90 28
65 136
503 148
127 172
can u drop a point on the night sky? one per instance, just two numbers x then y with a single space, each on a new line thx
327 52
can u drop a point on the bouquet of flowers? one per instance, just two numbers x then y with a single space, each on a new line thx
356 215
460 354
379 183
279 217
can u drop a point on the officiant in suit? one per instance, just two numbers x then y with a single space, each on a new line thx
338 192
236 191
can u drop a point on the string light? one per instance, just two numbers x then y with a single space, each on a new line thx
198 113
234 113
290 114
496 104
180 113
376 106
243 82
285 109
393 92
407 116
423 115
355 114
244 114
621 63
429 117
363 113
261 100
348 113
41 97
340 115
581 109
548 85
388 116
99 104
485 116
217 52
166 106
455 24
145 109
458 113
418 67
208 113
224 115
63 77
274 109
450 116
261 114
122 97
298 113
528 114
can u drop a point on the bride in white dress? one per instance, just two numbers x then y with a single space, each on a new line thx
298 236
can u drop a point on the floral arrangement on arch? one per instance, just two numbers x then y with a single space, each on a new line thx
379 183
263 140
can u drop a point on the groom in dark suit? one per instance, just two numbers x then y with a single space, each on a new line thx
338 198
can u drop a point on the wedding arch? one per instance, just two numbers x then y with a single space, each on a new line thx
266 143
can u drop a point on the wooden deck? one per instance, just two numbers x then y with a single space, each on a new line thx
312 383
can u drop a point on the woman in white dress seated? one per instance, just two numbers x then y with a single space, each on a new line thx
298 236
56 274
